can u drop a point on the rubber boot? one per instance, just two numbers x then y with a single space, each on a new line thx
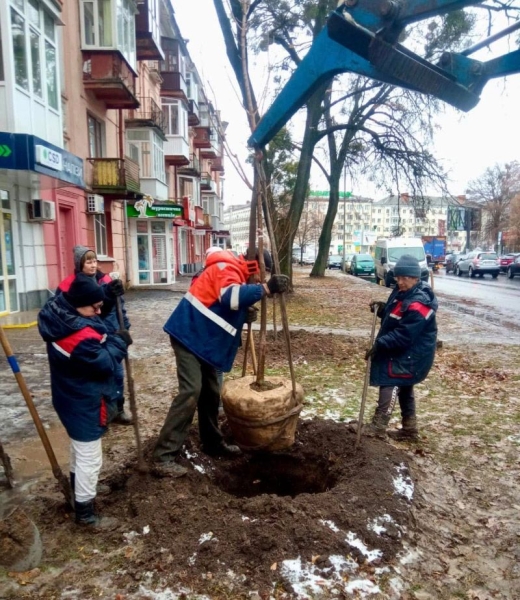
408 431
377 427
122 417
87 517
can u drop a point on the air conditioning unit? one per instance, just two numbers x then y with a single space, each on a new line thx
41 210
95 204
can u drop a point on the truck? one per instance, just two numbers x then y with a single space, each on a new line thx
435 250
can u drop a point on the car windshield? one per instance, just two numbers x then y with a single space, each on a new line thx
488 256
394 254
364 258
335 257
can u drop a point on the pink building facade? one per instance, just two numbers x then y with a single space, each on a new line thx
107 139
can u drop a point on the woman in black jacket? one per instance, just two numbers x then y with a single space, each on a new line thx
403 352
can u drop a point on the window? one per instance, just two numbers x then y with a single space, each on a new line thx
109 24
19 50
146 148
100 232
95 137
2 76
176 117
34 49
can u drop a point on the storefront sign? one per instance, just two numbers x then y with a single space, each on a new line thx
326 194
47 157
22 152
153 211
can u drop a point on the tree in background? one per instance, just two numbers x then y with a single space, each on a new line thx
513 240
494 191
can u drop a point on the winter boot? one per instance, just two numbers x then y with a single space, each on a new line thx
377 427
408 432
122 417
86 517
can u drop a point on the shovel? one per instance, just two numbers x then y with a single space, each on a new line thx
141 466
57 472
365 385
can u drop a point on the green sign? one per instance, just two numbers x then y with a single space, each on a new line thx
5 151
326 194
156 211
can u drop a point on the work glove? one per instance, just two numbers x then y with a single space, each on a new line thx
278 284
115 288
124 334
252 315
378 307
371 352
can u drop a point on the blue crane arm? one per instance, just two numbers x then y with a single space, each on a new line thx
367 45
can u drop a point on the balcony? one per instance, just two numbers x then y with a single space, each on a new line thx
207 184
174 85
193 168
202 138
116 176
109 77
176 151
148 115
217 164
193 113
207 221
147 32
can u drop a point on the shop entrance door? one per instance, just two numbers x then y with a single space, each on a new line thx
8 292
152 252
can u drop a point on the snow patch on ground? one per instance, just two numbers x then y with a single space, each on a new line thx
377 525
403 483
355 542
309 581
167 594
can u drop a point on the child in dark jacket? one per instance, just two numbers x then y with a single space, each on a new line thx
85 261
83 358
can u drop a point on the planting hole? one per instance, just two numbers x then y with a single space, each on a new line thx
276 474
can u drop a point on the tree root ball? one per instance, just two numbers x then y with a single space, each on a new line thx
20 542
262 419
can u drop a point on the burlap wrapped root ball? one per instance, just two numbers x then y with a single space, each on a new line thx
262 420
20 542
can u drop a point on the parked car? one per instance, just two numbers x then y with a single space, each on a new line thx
506 260
479 263
348 260
450 261
362 264
514 268
335 261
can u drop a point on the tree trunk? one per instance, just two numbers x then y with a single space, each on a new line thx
318 269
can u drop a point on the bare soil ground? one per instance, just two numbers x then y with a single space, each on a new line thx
436 519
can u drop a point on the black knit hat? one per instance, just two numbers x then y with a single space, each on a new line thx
84 291
407 266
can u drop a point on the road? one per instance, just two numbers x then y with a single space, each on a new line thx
502 295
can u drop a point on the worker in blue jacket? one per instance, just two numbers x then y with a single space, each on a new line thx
205 332
404 349
85 261
83 358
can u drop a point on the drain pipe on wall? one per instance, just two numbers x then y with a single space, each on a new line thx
128 260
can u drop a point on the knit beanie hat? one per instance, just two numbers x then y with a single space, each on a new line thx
79 252
84 291
212 249
407 266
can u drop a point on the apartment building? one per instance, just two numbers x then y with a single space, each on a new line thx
107 139
359 221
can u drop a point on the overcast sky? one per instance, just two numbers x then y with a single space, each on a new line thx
467 142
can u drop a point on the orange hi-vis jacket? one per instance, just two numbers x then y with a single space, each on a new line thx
208 320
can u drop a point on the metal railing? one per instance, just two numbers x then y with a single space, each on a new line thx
112 174
149 111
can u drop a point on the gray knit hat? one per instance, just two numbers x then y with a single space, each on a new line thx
79 252
407 266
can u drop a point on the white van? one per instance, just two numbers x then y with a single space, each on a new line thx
389 251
